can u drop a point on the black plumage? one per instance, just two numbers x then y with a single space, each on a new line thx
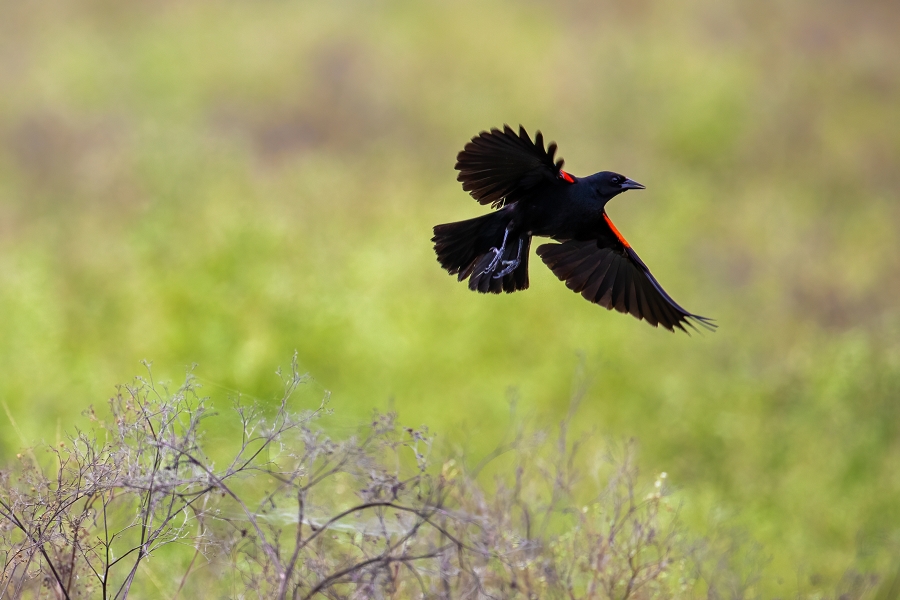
535 197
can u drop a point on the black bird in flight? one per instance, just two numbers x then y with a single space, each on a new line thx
536 197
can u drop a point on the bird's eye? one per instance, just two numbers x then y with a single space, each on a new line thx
616 180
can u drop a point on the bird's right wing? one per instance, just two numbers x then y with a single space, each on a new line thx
500 167
608 272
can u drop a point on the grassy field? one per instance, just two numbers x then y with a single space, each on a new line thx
224 183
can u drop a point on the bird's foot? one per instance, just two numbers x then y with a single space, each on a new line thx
496 260
498 254
510 265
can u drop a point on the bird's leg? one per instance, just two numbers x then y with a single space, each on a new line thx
510 265
498 253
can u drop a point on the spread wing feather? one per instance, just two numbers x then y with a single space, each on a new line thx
500 167
613 276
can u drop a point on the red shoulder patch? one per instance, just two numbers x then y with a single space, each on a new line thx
566 177
615 231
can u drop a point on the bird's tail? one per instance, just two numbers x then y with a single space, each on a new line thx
484 250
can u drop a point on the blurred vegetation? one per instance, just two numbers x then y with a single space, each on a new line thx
223 183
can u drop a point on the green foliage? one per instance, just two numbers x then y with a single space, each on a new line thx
223 184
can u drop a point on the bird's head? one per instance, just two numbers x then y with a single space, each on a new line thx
607 184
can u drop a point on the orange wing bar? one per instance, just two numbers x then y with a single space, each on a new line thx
566 177
615 231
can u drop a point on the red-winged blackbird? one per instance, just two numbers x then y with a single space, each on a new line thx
536 197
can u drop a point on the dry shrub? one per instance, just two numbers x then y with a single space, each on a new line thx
301 514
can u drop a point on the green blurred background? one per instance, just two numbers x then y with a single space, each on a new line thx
222 183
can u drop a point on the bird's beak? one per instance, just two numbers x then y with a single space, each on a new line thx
630 184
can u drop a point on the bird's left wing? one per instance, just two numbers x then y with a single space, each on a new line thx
500 167
608 272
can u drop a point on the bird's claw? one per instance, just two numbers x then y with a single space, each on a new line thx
498 254
509 267
493 264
